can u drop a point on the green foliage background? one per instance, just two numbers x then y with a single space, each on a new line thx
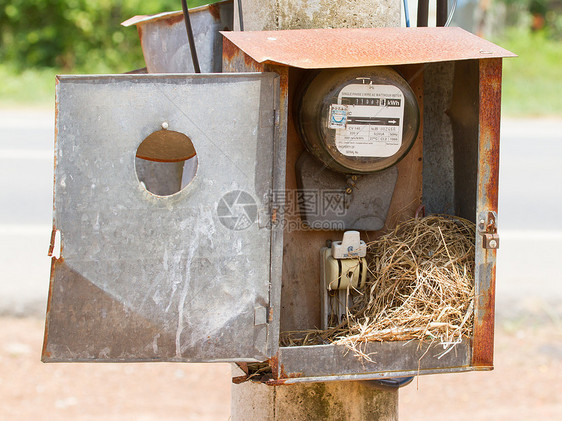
76 35
40 38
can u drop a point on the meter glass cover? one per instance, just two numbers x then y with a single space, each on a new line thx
374 119
358 120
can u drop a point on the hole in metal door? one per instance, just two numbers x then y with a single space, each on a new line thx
166 162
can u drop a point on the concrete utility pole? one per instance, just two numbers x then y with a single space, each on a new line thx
331 400
313 402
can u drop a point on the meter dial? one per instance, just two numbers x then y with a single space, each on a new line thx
359 120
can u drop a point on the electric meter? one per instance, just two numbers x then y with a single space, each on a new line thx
359 120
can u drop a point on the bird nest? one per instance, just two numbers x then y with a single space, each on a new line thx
420 285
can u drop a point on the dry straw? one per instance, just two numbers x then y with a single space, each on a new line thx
420 286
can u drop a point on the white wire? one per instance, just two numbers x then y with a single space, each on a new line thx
451 13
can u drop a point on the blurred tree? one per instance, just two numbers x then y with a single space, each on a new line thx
538 10
76 34
536 14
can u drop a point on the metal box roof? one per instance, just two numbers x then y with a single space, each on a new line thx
332 48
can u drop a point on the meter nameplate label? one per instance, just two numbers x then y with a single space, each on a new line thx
374 118
338 116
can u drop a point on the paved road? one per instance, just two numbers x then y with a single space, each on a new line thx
530 209
529 272
26 184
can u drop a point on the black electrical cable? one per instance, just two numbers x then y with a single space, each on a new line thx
389 384
423 10
442 12
196 67
240 17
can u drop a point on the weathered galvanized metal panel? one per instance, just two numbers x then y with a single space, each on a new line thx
363 208
389 359
334 48
164 38
145 277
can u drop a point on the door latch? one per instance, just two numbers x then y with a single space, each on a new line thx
488 228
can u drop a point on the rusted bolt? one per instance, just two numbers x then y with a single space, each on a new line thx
165 125
493 244
349 190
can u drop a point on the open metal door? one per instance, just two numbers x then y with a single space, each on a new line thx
181 277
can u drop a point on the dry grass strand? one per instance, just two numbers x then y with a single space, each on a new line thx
420 286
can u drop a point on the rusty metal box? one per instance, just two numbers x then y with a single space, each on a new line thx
143 278
451 169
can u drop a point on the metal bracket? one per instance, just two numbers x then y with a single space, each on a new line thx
260 315
488 228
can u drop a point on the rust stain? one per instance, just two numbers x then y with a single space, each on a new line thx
283 379
490 110
139 30
489 148
172 20
279 382
274 363
280 376
322 48
243 367
240 379
483 344
283 72
52 242
236 60
251 63
229 50
45 355
215 11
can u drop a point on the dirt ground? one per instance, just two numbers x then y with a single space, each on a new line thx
526 384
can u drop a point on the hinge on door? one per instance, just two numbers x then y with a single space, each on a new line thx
260 315
55 244
488 228
274 216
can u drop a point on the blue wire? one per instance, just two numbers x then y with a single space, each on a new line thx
407 13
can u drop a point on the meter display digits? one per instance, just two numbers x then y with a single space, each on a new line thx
359 120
